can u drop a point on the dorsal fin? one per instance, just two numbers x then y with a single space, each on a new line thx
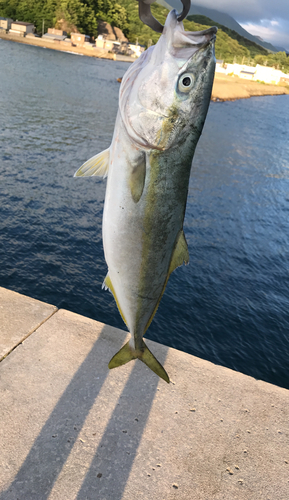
97 165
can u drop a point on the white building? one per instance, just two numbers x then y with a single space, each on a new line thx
259 73
267 74
5 23
21 28
79 39
136 49
247 73
220 67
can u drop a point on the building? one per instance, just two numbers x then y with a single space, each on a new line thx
220 66
259 73
267 74
247 73
99 42
102 42
240 70
79 39
54 31
136 50
21 28
5 23
50 37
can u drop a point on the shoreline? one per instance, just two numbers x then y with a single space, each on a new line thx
230 88
225 88
60 46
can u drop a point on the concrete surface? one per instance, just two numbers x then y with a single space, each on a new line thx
19 317
72 429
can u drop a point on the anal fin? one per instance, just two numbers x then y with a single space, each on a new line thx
107 284
97 166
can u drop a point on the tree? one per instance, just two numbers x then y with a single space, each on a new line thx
78 14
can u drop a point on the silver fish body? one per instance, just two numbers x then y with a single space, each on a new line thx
164 98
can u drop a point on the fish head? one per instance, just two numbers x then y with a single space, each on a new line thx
165 94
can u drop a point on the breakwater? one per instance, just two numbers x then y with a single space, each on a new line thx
124 433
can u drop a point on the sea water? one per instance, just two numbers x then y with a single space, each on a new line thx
230 304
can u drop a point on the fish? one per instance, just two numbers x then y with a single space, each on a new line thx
163 102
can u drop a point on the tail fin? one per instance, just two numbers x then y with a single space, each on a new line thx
126 354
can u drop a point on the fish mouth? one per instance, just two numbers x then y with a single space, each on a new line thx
210 33
209 43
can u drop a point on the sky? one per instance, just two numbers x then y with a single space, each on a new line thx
268 19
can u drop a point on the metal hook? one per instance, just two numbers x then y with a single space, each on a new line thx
186 10
147 18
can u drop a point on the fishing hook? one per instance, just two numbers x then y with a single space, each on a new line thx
147 18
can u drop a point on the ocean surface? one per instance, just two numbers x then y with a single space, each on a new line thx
230 304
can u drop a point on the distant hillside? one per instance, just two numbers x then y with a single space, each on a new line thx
227 48
221 18
253 47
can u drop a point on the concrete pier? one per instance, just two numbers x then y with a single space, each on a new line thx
72 429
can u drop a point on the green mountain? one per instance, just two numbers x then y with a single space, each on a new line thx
221 18
229 45
252 47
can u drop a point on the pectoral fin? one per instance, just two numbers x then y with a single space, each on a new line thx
126 354
97 165
137 178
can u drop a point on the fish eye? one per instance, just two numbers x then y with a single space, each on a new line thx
186 82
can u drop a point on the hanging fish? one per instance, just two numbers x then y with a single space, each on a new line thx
163 102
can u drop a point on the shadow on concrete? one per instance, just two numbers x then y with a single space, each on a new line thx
110 468
118 447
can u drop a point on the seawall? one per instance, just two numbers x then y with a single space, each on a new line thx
72 429
230 88
60 46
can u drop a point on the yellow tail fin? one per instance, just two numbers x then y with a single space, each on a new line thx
126 354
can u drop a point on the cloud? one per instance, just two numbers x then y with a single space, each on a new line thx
268 19
275 32
249 10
